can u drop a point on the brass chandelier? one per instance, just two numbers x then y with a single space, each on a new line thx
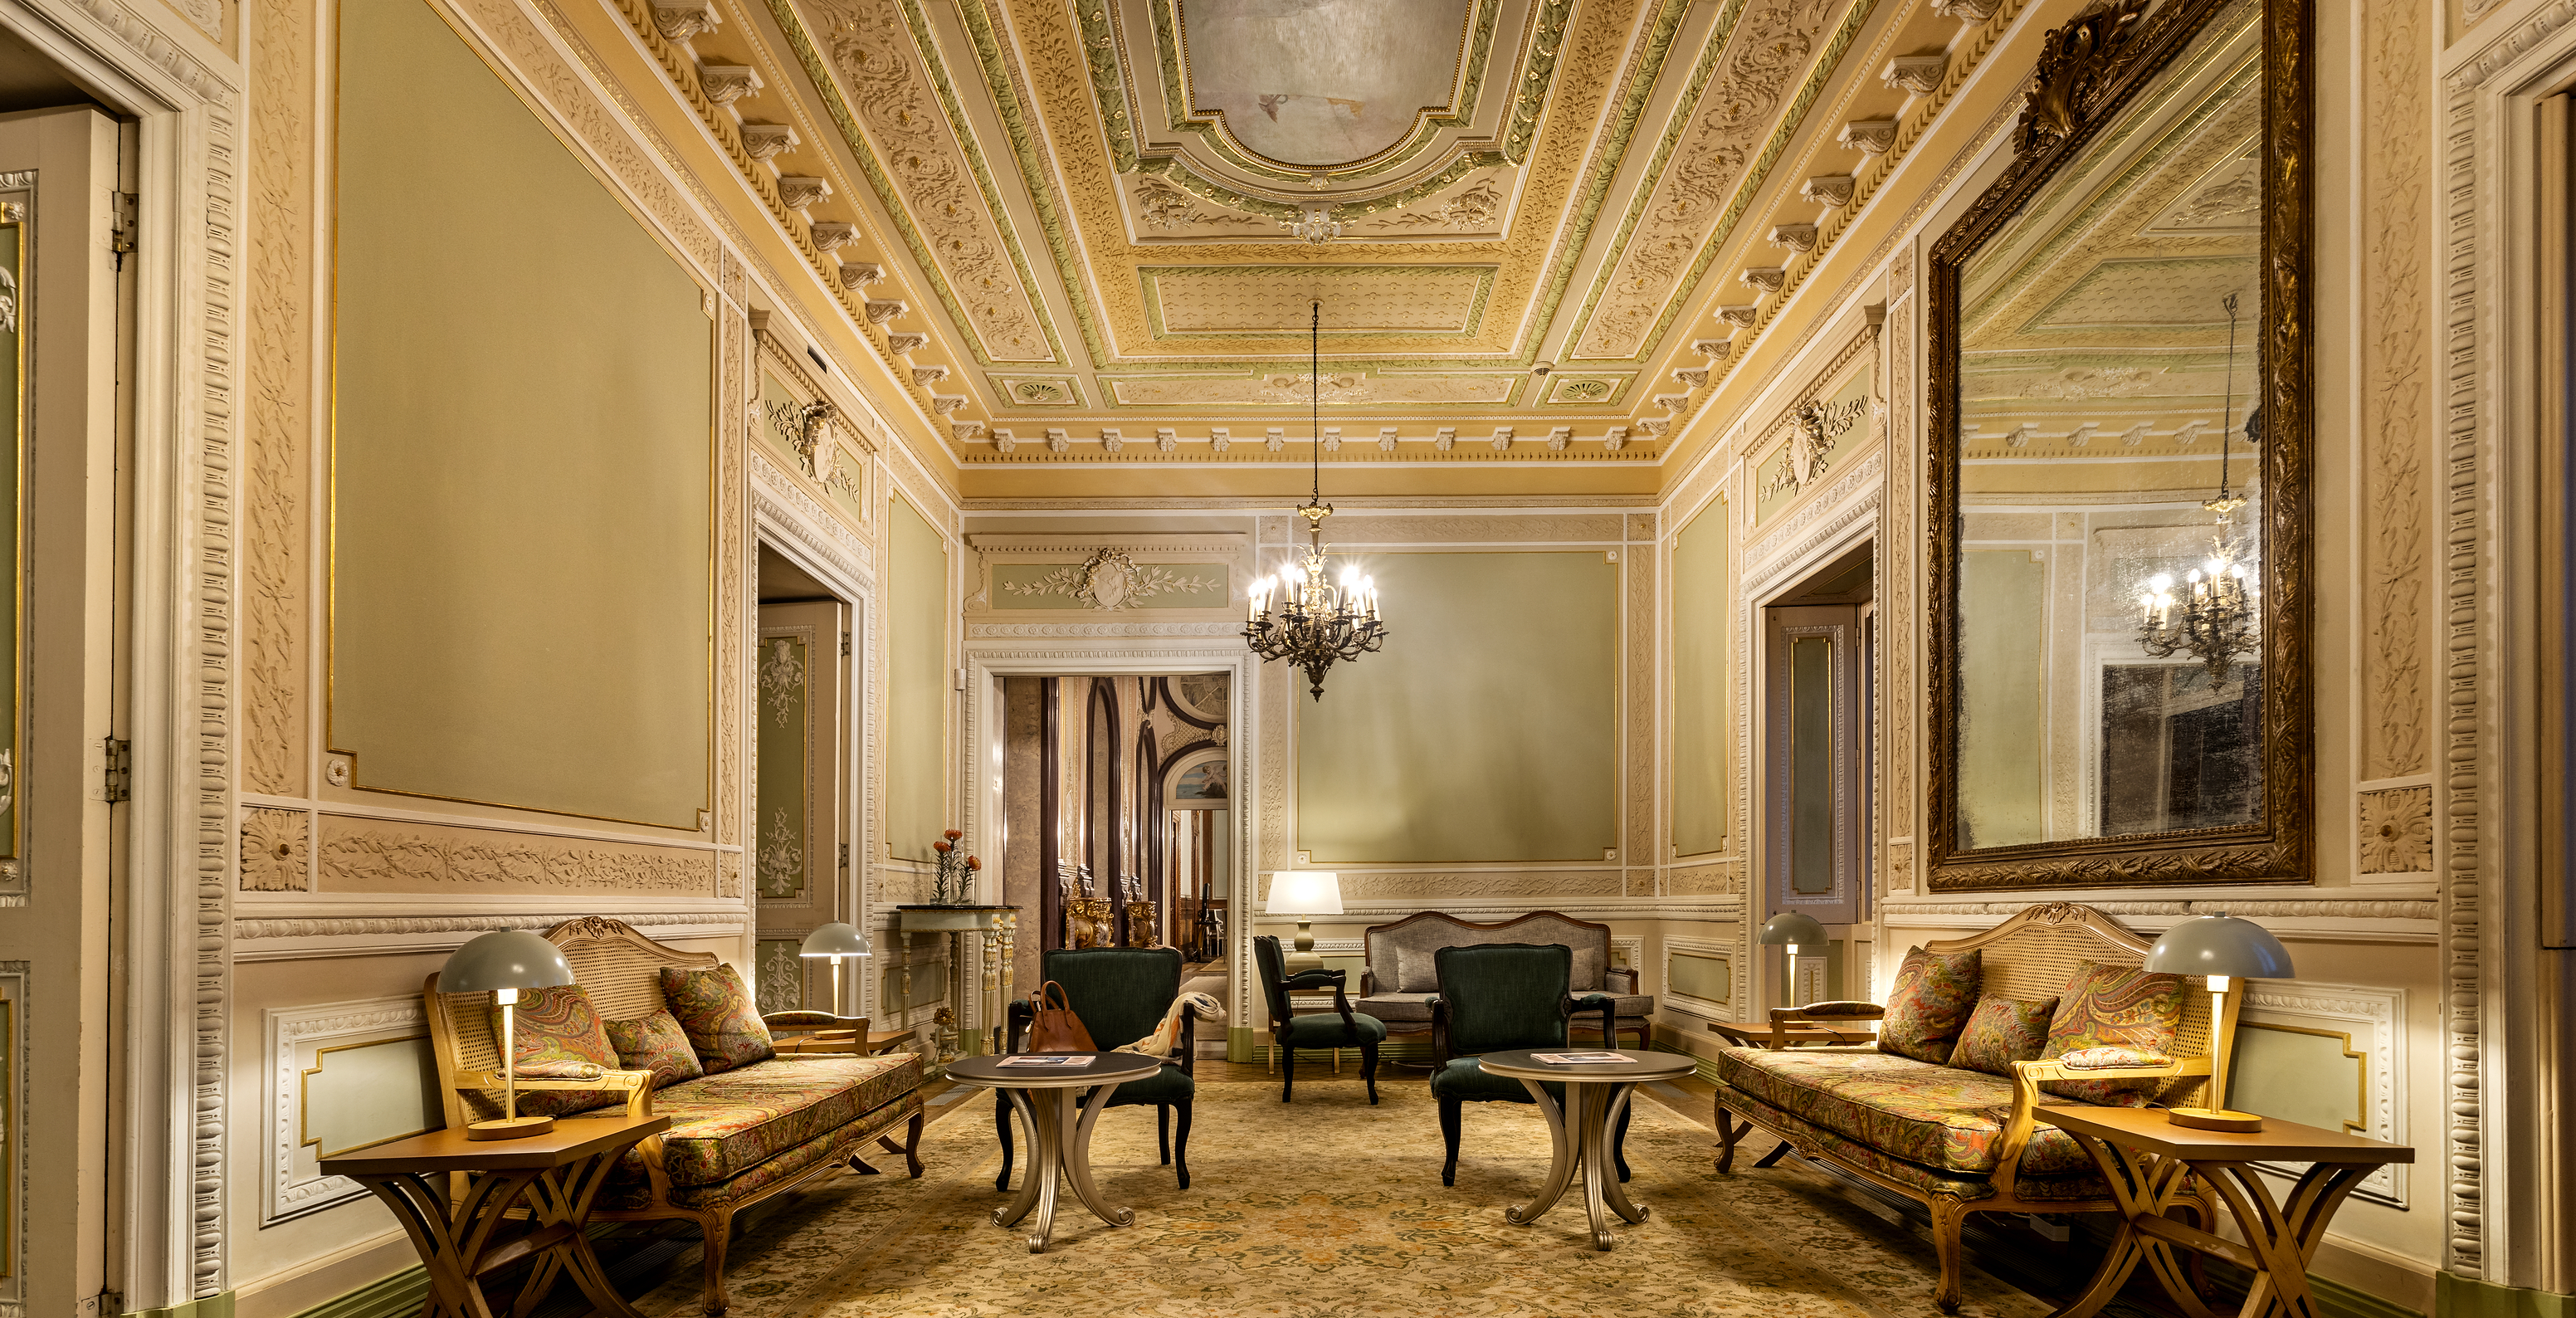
2217 616
1318 622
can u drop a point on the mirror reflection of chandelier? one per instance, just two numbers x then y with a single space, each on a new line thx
2217 615
1318 622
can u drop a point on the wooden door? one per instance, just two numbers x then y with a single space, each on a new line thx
802 818
1815 789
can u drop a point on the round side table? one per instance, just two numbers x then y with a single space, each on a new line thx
1060 1126
1598 1092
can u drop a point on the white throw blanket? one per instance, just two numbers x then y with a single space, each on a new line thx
1167 1036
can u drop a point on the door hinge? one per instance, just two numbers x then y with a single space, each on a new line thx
845 855
845 645
120 770
120 226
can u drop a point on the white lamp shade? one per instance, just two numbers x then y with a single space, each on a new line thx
1304 892
836 939
2220 944
504 959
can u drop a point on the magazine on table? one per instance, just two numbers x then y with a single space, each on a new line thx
1047 1061
1580 1059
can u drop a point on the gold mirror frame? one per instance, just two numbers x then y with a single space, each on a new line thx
2088 71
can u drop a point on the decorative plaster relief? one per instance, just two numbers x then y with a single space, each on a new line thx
2397 831
2396 539
276 851
296 1037
1721 951
2372 1018
1471 528
278 405
1718 880
370 855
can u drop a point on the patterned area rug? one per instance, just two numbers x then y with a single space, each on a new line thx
1329 1208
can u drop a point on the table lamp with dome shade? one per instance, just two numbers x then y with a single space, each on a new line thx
1792 930
836 940
502 963
2223 948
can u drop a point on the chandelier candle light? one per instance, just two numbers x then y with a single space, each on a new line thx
2214 619
1317 622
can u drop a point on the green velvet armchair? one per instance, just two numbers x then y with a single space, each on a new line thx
1339 1028
1120 994
1493 998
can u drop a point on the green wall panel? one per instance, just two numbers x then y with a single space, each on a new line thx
1486 730
522 585
1700 587
916 684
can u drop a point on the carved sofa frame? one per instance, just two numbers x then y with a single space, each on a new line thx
2029 956
621 970
1409 1012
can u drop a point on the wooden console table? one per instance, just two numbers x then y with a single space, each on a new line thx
2151 1165
993 929
553 1176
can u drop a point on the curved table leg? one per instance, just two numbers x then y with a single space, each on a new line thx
1009 1214
1560 1169
1588 1104
1611 1188
1045 1161
1077 1158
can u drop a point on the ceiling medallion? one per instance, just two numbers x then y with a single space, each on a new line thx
1318 623
1314 224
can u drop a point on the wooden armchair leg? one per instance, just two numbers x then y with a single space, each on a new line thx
1451 1111
1368 1069
1002 1127
1181 1146
1163 1133
1287 1070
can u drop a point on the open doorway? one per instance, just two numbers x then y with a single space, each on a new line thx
1819 649
805 800
1116 805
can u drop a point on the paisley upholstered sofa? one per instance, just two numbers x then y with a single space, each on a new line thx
1958 1140
737 1136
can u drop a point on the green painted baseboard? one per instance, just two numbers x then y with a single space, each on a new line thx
211 1306
393 1297
2455 1296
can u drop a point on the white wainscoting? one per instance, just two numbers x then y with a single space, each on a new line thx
297 1037
1714 949
2373 1017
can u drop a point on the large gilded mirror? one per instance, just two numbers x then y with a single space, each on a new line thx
2119 466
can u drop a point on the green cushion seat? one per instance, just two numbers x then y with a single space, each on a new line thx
1169 1085
1467 1082
1326 1030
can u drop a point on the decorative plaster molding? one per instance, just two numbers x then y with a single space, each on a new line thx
2396 828
1832 191
1869 136
262 929
1919 74
292 1191
1726 950
783 506
763 140
2374 1017
276 851
684 19
1794 237
881 310
368 855
2250 908
1741 315
725 84
1008 630
798 191
1766 278
2394 327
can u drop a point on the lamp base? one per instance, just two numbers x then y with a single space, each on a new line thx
2202 1118
512 1129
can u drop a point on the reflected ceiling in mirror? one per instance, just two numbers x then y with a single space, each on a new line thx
2108 616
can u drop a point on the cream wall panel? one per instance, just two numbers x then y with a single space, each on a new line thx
918 612
521 567
1487 730
1702 590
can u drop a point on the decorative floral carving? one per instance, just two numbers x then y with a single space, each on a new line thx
782 857
275 855
782 678
1111 580
2397 831
368 856
2395 542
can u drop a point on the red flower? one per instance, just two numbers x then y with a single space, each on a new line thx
974 864
952 835
939 846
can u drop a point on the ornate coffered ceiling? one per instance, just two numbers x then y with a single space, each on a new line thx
1066 217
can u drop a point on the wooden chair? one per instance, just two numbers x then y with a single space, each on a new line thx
1496 997
1120 994
1340 1028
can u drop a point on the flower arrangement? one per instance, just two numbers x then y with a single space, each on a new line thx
955 884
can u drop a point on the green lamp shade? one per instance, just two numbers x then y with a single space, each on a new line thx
2220 944
504 959
1793 927
836 939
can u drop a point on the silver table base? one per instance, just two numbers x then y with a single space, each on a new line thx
1587 1146
1060 1129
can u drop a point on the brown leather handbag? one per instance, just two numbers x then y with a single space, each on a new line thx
1053 1028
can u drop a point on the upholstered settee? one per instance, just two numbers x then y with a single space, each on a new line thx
1401 978
1958 1140
738 1135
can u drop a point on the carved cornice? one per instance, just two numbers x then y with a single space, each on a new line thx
2285 908
1009 630
260 930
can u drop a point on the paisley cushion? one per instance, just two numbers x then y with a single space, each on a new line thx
556 1035
1934 993
2003 1031
655 1043
2114 1007
724 1028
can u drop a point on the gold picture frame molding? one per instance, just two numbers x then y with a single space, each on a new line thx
2068 103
